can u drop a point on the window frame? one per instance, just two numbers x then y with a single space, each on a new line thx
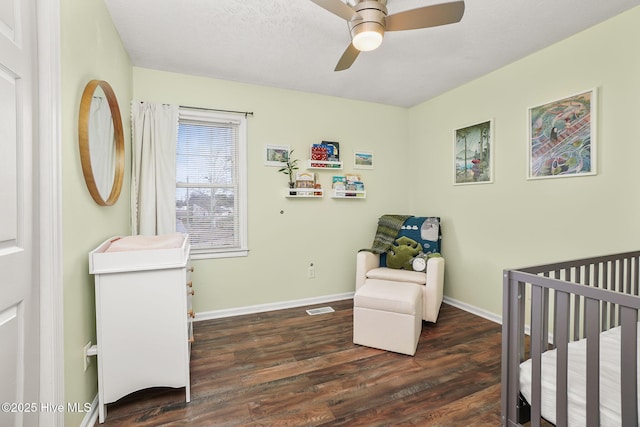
240 120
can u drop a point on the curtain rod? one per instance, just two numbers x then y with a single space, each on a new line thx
246 113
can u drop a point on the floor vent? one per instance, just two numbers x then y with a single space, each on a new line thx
321 310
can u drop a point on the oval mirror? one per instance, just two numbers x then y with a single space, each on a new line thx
101 142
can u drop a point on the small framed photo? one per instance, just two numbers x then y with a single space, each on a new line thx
276 155
562 137
473 154
363 160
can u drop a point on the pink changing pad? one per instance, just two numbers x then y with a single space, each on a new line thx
139 243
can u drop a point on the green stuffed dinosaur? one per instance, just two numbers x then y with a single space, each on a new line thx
402 253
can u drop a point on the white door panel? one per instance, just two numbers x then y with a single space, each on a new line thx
8 9
19 337
8 161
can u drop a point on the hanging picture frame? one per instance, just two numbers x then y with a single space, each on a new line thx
363 160
473 154
276 155
562 137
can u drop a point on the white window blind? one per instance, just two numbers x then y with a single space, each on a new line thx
211 182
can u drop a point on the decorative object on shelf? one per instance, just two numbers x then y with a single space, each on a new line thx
348 186
473 154
562 137
325 155
305 182
333 154
276 155
290 166
353 185
363 160
339 182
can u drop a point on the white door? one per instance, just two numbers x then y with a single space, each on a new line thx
19 331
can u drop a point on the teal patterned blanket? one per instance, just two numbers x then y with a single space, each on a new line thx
388 228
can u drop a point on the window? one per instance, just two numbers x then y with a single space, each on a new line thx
211 182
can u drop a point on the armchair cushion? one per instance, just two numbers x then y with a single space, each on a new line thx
394 275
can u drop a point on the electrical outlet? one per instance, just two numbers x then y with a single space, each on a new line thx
85 356
311 272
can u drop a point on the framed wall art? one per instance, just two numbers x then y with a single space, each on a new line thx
363 160
562 137
473 154
276 155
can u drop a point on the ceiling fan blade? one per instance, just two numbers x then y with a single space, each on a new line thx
424 17
348 58
338 8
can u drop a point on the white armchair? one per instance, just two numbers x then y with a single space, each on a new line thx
368 269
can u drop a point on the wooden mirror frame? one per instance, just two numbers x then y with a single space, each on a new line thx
83 137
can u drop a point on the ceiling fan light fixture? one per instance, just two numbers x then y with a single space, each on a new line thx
367 36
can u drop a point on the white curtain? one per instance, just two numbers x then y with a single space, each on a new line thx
153 181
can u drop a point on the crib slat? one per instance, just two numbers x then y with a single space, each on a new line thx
611 280
606 306
612 286
562 339
637 275
512 347
593 358
628 282
537 309
576 307
628 371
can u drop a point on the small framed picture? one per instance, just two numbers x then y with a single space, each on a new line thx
473 154
363 160
276 155
562 137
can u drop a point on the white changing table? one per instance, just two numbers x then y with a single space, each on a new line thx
143 318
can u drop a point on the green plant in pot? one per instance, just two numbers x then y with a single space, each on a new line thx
289 168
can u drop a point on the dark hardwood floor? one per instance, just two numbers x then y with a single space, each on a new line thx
286 368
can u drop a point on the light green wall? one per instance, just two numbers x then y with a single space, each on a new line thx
324 231
90 49
516 222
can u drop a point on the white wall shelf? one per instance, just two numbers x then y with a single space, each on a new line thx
324 165
349 194
308 193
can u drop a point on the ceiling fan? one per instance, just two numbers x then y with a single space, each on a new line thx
368 22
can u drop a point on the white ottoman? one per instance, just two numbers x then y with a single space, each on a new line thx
388 315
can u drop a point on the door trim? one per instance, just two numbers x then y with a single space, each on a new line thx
50 208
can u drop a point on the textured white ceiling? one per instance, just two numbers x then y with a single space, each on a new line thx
295 44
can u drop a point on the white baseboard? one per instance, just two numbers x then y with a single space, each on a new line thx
474 310
260 308
91 417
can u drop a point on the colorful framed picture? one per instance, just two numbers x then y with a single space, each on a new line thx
473 154
363 160
562 137
276 155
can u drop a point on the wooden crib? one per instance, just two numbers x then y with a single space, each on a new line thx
570 342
